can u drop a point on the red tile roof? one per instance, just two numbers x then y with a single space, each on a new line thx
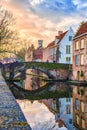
60 37
82 29
51 44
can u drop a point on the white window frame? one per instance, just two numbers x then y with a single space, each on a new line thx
82 44
81 59
77 45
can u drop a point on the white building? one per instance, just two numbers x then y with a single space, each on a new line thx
64 52
60 50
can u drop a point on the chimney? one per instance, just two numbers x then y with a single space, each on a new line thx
40 42
60 32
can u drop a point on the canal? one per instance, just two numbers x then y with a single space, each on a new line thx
68 102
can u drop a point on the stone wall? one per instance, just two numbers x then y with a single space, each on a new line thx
61 74
11 116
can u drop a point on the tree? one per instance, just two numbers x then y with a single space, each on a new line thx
26 50
8 34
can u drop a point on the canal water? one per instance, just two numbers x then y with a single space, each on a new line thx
68 102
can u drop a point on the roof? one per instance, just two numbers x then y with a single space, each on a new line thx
82 29
51 44
59 37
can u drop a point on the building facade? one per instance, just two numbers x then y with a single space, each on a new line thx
64 50
33 54
60 50
80 53
49 53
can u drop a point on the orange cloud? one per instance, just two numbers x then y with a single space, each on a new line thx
29 25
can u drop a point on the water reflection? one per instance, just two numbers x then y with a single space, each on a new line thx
37 115
71 106
80 107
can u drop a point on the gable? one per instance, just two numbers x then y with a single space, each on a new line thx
81 30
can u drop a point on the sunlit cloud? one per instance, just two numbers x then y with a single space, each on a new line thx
41 19
35 2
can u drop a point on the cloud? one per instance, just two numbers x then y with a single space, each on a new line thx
35 2
80 4
41 19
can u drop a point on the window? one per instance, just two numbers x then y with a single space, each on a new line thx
54 50
77 104
83 124
82 44
70 38
81 59
77 119
70 121
77 45
68 109
67 49
82 106
68 59
68 99
76 60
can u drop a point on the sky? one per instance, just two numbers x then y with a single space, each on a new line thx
42 19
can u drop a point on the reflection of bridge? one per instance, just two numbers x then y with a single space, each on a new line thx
47 91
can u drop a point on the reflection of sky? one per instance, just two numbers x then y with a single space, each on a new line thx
35 112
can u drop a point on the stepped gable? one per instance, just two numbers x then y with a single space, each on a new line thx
82 30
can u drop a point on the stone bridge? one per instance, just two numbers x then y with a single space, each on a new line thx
14 68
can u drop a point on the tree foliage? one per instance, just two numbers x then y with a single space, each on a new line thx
8 33
25 50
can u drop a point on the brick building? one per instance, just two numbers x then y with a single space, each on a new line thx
80 53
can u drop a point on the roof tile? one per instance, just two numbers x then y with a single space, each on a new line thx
82 29
60 37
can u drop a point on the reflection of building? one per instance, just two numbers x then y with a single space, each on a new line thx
66 112
80 107
61 106
28 80
80 53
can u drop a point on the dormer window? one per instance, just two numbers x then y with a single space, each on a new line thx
70 38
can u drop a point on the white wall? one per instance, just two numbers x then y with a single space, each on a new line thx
65 41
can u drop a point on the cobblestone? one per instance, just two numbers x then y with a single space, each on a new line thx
11 116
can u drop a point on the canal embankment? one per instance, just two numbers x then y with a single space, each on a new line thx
11 116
